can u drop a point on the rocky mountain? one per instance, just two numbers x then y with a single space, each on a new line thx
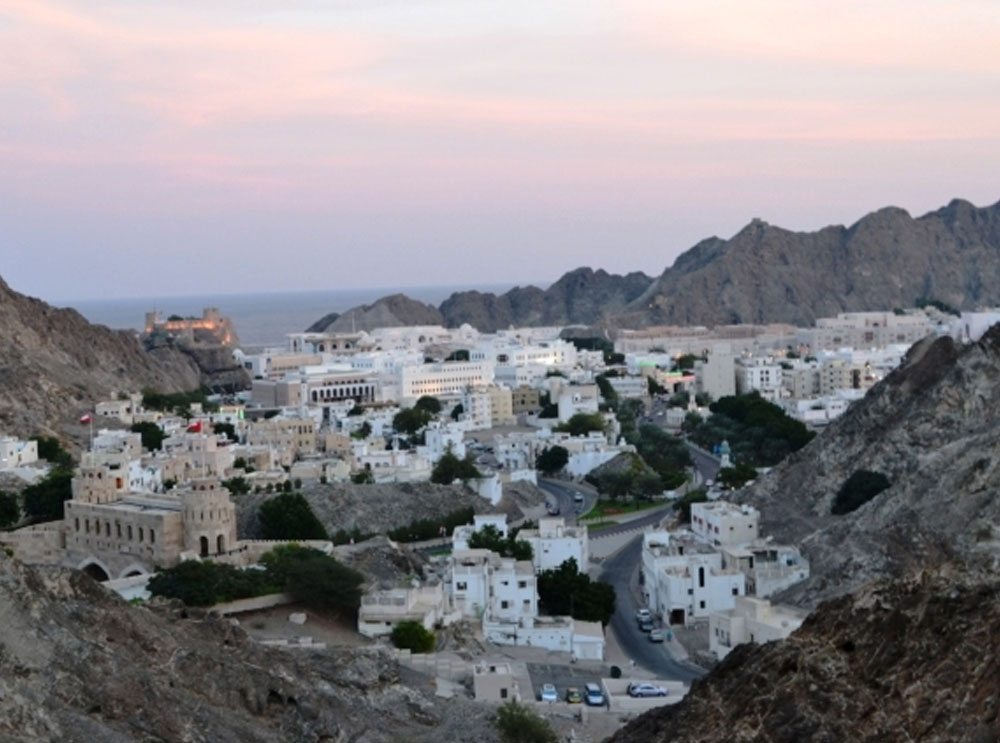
580 297
79 665
887 259
393 311
55 365
931 427
897 661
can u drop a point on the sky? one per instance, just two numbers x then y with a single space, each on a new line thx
203 146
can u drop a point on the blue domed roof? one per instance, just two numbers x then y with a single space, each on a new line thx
724 448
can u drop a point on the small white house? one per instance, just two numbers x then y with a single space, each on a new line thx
552 543
751 620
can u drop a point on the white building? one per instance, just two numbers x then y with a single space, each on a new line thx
630 386
683 578
971 326
552 543
762 374
769 568
724 523
446 379
16 453
462 534
381 611
750 620
577 398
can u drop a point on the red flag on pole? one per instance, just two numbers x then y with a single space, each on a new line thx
85 418
195 427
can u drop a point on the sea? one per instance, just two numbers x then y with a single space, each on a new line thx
262 320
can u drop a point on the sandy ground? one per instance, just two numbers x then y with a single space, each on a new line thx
273 624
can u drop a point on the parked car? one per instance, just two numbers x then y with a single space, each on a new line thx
549 693
646 625
578 497
594 695
552 510
646 690
642 615
573 695
656 635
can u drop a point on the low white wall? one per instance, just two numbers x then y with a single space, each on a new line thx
253 604
616 692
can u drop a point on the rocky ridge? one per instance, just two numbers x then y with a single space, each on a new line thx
379 508
930 427
55 365
900 661
79 665
393 311
763 274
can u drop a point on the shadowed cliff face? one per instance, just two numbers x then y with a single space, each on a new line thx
79 664
887 259
913 660
393 311
54 365
933 428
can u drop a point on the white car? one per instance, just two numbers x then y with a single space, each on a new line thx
643 615
549 693
646 690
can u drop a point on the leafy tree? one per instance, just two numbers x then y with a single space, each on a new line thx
680 400
151 434
235 485
363 477
552 459
648 485
456 412
554 373
227 429
615 484
686 362
490 538
52 451
288 516
411 420
322 583
691 422
549 408
424 529
429 404
239 463
857 490
655 388
10 511
581 424
518 724
683 504
43 500
169 483
566 590
702 399
363 432
356 410
286 486
461 354
413 636
605 388
738 475
450 468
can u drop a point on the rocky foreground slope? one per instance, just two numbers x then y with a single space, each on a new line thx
933 428
54 365
913 660
77 664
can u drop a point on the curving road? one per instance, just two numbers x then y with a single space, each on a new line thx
618 571
562 493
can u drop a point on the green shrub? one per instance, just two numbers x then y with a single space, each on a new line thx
413 637
288 516
857 490
518 724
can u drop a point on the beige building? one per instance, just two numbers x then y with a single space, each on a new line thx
501 405
525 400
494 682
290 437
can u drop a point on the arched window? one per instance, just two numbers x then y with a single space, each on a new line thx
203 543
130 532
220 544
76 524
152 537
140 533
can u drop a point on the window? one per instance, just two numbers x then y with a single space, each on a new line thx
522 584
736 591
503 604
503 693
701 604
460 586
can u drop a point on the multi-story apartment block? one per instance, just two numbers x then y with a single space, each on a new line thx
723 523
553 542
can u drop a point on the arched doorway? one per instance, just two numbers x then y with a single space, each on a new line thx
96 572
204 546
220 544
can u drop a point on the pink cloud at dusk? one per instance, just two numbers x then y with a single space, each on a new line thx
662 121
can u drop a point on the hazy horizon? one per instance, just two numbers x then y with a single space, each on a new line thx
200 148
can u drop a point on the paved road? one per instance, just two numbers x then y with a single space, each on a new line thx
618 571
562 493
706 464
